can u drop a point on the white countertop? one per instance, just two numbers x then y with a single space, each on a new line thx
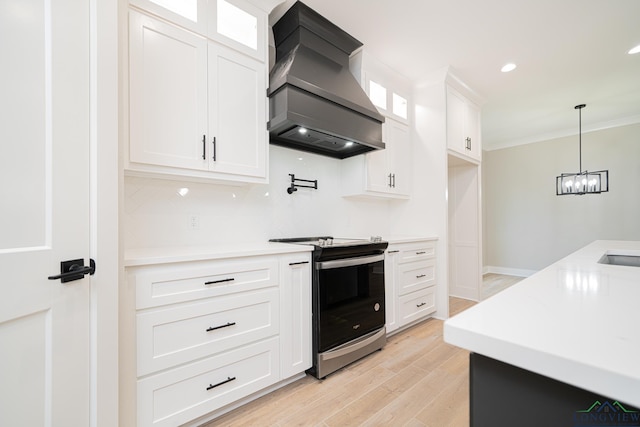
161 255
398 239
576 321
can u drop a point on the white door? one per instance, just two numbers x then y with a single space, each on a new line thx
464 231
44 212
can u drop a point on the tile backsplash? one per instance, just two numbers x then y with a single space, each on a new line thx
159 213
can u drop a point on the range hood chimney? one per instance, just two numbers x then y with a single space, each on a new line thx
315 102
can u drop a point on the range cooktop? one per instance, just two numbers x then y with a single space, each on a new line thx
329 241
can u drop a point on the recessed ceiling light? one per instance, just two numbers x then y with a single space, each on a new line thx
508 67
635 50
302 130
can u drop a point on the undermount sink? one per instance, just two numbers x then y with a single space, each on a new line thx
616 258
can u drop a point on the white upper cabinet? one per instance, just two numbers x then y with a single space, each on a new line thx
190 14
239 25
236 23
167 94
389 170
197 104
398 138
237 140
463 125
382 173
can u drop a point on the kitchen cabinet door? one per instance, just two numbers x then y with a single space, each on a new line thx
190 14
240 25
390 289
197 108
463 125
234 23
382 173
168 94
237 113
399 156
295 315
388 170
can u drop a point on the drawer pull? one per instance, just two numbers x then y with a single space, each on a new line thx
421 276
421 304
219 281
420 253
213 328
392 252
228 380
299 263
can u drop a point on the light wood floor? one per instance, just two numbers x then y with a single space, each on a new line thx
493 283
416 380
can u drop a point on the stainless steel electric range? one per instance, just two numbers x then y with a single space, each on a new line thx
348 300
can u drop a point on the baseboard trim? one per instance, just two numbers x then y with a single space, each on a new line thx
508 271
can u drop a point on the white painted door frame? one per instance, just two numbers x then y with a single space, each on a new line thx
105 189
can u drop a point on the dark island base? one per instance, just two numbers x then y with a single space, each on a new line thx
503 395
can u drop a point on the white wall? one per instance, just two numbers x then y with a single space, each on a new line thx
157 216
528 227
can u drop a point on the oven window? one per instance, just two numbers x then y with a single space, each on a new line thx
351 303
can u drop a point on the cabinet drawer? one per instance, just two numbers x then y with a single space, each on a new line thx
174 397
417 305
168 284
417 251
416 275
180 334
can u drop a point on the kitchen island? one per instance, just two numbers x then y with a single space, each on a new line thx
568 336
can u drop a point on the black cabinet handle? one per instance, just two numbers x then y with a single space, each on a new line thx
213 328
421 304
299 263
231 279
420 253
392 252
394 180
389 176
214 148
204 147
228 380
421 276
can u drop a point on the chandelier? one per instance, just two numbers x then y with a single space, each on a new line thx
583 182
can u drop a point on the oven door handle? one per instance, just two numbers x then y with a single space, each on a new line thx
349 262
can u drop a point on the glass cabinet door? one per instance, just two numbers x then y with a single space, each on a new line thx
190 14
240 25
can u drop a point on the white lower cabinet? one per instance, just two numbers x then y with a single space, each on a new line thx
210 333
295 315
416 305
410 282
190 391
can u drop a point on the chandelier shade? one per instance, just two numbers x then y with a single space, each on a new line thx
583 182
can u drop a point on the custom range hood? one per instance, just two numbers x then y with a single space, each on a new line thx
315 102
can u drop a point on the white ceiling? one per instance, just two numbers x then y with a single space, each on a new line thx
568 52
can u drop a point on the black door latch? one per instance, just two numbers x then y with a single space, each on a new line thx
74 270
